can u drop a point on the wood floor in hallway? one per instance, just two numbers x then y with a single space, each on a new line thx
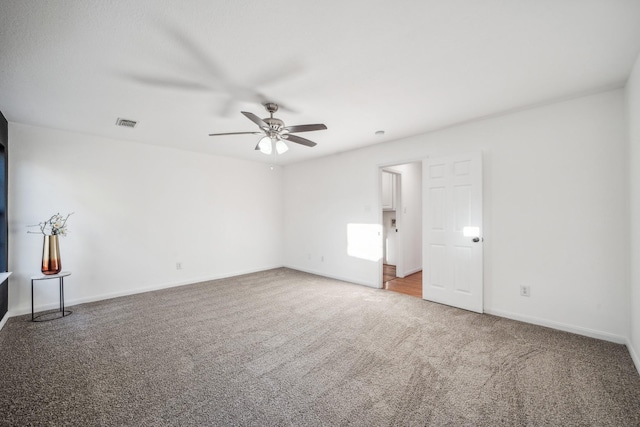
410 285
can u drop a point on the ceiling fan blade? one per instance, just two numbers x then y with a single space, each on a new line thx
227 107
304 128
197 52
225 84
283 107
235 133
285 71
170 83
298 140
255 119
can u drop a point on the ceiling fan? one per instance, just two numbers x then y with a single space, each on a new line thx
275 132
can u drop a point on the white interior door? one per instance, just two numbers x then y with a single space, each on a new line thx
452 246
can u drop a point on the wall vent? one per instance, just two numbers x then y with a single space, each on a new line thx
126 123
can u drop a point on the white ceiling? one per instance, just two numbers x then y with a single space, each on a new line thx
404 66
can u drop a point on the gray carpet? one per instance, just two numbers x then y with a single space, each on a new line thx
288 348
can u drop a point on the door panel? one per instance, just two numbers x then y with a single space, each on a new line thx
437 208
452 190
462 206
462 261
436 274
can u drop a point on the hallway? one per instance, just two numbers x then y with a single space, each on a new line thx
410 285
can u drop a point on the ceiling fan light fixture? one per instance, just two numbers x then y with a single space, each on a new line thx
265 145
281 147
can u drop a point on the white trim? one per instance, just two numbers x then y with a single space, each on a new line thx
393 163
412 271
341 278
634 355
76 301
606 336
379 220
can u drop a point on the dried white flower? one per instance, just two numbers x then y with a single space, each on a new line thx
56 225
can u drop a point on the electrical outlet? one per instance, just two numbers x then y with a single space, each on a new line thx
178 266
525 291
322 258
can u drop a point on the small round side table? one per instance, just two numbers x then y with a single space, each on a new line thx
60 276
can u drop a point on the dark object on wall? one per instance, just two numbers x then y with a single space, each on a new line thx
4 236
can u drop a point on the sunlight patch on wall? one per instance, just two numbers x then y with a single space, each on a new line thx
364 241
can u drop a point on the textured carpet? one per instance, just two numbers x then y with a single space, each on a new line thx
282 348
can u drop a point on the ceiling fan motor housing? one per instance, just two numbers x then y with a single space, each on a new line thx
271 107
275 125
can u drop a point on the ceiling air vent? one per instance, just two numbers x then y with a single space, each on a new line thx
126 123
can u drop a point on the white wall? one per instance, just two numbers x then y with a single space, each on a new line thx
138 209
555 211
633 111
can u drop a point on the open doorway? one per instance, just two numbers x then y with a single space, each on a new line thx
410 285
401 190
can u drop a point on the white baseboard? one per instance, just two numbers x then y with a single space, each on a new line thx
332 276
592 333
634 355
75 301
411 271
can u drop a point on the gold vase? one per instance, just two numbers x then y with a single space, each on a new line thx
51 263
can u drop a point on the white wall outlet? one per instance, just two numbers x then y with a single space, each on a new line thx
322 258
525 291
178 266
